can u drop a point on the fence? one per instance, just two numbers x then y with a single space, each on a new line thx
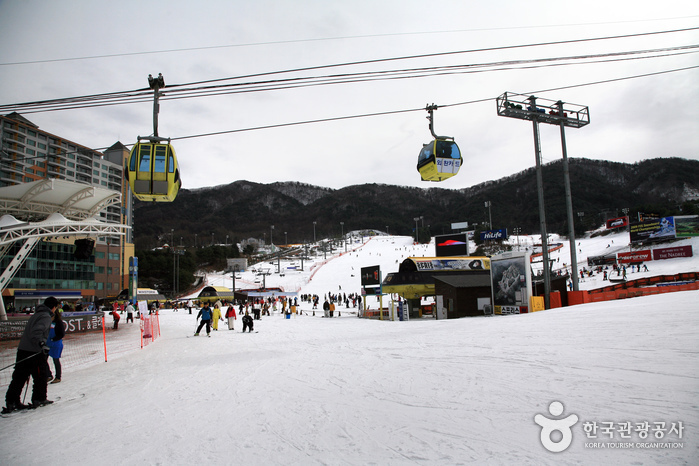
83 349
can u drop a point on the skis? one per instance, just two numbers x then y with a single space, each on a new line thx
56 400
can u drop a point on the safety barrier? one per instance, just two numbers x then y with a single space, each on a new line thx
84 349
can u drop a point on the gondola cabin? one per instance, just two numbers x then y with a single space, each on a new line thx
153 172
439 160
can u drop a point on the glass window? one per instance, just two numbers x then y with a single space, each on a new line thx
31 142
144 163
159 165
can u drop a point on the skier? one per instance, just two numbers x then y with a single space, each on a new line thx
205 314
247 322
31 359
230 315
216 316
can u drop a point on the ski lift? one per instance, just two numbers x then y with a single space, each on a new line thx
153 172
439 159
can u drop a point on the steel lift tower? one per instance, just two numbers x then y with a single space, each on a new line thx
561 114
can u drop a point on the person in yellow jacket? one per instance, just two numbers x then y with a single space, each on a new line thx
217 315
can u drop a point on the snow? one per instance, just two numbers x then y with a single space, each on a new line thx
310 390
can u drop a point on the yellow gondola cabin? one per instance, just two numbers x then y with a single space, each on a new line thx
154 175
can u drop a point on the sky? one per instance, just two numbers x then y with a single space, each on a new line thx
349 391
68 48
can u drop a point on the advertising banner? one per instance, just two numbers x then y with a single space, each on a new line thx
371 276
655 229
451 245
619 222
686 226
497 235
467 263
672 253
511 276
636 256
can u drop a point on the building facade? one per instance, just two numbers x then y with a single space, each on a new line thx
27 154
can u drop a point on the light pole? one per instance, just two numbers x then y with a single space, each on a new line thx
212 238
416 230
342 226
286 239
490 216
271 241
226 240
195 240
314 232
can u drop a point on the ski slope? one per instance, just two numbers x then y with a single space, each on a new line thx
310 390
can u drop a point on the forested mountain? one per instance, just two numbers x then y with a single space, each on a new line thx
243 209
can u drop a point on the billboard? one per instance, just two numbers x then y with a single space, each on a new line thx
497 235
467 263
686 226
512 284
636 256
451 245
672 253
371 276
652 230
619 222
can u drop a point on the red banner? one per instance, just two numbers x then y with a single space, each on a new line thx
619 222
636 256
671 253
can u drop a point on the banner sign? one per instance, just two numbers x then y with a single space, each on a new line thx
511 281
467 263
686 226
636 256
671 253
13 329
656 229
451 245
619 222
497 235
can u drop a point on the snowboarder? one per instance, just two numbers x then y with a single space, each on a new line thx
129 313
205 313
247 322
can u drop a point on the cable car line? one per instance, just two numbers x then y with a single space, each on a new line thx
117 98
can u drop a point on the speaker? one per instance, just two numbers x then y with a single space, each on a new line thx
83 248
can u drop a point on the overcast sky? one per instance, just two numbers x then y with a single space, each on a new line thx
91 47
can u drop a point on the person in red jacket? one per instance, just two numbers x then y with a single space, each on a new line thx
230 315
116 316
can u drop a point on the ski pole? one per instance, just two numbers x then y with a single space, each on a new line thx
14 364
26 390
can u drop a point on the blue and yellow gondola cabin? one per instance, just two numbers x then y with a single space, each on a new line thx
439 160
154 175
